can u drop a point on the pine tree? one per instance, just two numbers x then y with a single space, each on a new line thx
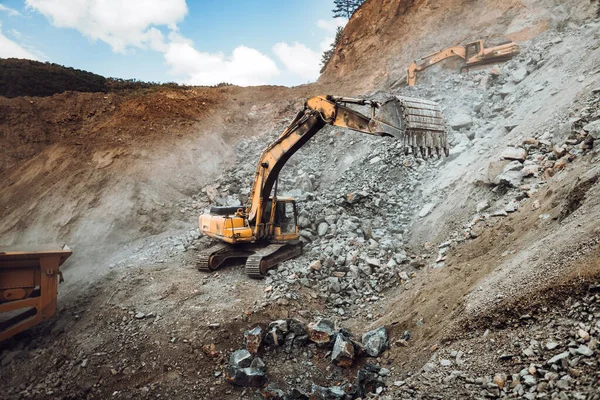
327 54
345 8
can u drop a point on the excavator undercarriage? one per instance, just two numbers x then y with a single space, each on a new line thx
259 257
264 232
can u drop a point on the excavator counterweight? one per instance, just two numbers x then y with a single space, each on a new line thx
264 232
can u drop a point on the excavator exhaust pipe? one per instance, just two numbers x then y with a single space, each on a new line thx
418 123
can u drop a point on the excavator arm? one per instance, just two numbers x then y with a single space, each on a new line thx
417 122
474 53
431 59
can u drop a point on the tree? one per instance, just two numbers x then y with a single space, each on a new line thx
327 54
345 8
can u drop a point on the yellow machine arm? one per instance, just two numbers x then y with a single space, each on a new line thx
473 53
431 59
417 122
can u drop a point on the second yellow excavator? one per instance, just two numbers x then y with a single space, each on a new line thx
264 232
474 53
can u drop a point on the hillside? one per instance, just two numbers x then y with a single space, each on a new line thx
483 267
20 78
33 78
376 54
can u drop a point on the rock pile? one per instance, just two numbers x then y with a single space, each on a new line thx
546 354
246 369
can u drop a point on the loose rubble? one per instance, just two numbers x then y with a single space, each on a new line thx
248 370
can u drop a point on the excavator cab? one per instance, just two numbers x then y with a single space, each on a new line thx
285 220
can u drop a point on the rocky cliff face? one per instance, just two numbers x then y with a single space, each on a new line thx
383 37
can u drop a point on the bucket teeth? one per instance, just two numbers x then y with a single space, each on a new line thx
424 129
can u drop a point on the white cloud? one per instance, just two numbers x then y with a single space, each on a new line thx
10 11
15 33
245 66
130 24
330 27
10 49
121 24
299 60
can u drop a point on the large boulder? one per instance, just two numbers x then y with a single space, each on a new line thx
514 153
375 341
460 120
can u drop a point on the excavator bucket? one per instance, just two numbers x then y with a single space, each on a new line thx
28 288
418 123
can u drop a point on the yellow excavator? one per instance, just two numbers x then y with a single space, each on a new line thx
264 232
474 53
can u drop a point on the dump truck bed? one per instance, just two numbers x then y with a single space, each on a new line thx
28 287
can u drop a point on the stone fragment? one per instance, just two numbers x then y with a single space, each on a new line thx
582 333
367 381
240 359
272 392
499 213
210 351
512 206
561 163
558 151
551 345
530 170
584 351
426 210
343 351
507 89
321 332
296 337
315 265
529 380
375 341
322 229
593 129
514 153
258 364
327 393
246 377
519 74
531 141
558 357
509 179
276 333
253 339
373 261
140 315
460 120
500 380
482 206
445 363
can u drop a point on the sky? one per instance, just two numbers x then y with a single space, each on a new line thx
196 42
